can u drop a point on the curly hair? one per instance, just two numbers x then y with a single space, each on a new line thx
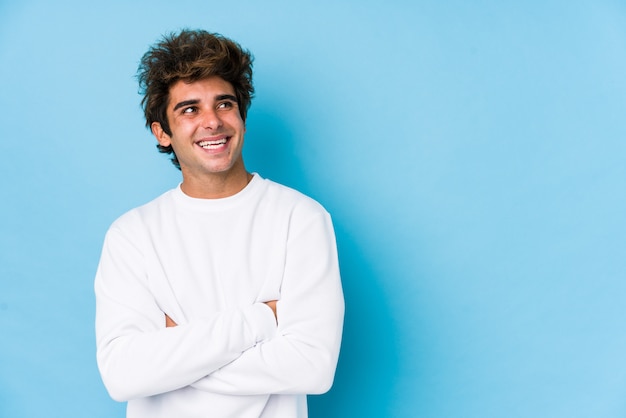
191 55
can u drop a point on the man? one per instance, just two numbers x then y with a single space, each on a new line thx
222 297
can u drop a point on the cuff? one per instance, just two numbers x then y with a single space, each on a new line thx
261 322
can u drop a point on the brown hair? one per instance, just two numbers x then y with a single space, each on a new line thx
191 55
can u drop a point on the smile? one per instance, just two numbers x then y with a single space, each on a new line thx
213 144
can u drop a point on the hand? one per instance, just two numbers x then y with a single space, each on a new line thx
169 322
272 304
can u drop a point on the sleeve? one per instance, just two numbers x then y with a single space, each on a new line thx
302 358
137 355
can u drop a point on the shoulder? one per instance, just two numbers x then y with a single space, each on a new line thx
289 196
139 217
292 209
291 199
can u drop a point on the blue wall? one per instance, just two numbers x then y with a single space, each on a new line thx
472 154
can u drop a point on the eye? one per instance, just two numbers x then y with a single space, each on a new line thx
190 109
225 105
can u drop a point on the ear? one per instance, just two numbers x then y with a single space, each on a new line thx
160 135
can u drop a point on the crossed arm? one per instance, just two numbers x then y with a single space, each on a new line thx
169 322
236 352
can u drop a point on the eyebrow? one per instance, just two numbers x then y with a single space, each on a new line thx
226 97
186 103
196 101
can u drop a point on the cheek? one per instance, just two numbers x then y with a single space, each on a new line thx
182 132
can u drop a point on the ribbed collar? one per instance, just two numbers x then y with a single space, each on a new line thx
252 188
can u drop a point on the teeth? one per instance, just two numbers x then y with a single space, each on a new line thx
212 144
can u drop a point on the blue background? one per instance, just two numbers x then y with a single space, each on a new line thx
472 154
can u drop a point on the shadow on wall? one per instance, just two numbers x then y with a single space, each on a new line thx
269 149
368 364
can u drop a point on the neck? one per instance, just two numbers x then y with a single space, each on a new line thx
216 186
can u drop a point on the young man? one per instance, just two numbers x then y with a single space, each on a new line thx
222 297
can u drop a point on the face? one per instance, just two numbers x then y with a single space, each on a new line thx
207 131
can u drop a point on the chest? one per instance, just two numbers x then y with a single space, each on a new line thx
199 264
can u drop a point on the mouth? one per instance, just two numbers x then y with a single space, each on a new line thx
213 144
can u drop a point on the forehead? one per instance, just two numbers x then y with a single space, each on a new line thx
204 89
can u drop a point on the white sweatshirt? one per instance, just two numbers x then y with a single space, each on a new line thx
209 264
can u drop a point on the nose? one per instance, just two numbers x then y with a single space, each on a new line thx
211 119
